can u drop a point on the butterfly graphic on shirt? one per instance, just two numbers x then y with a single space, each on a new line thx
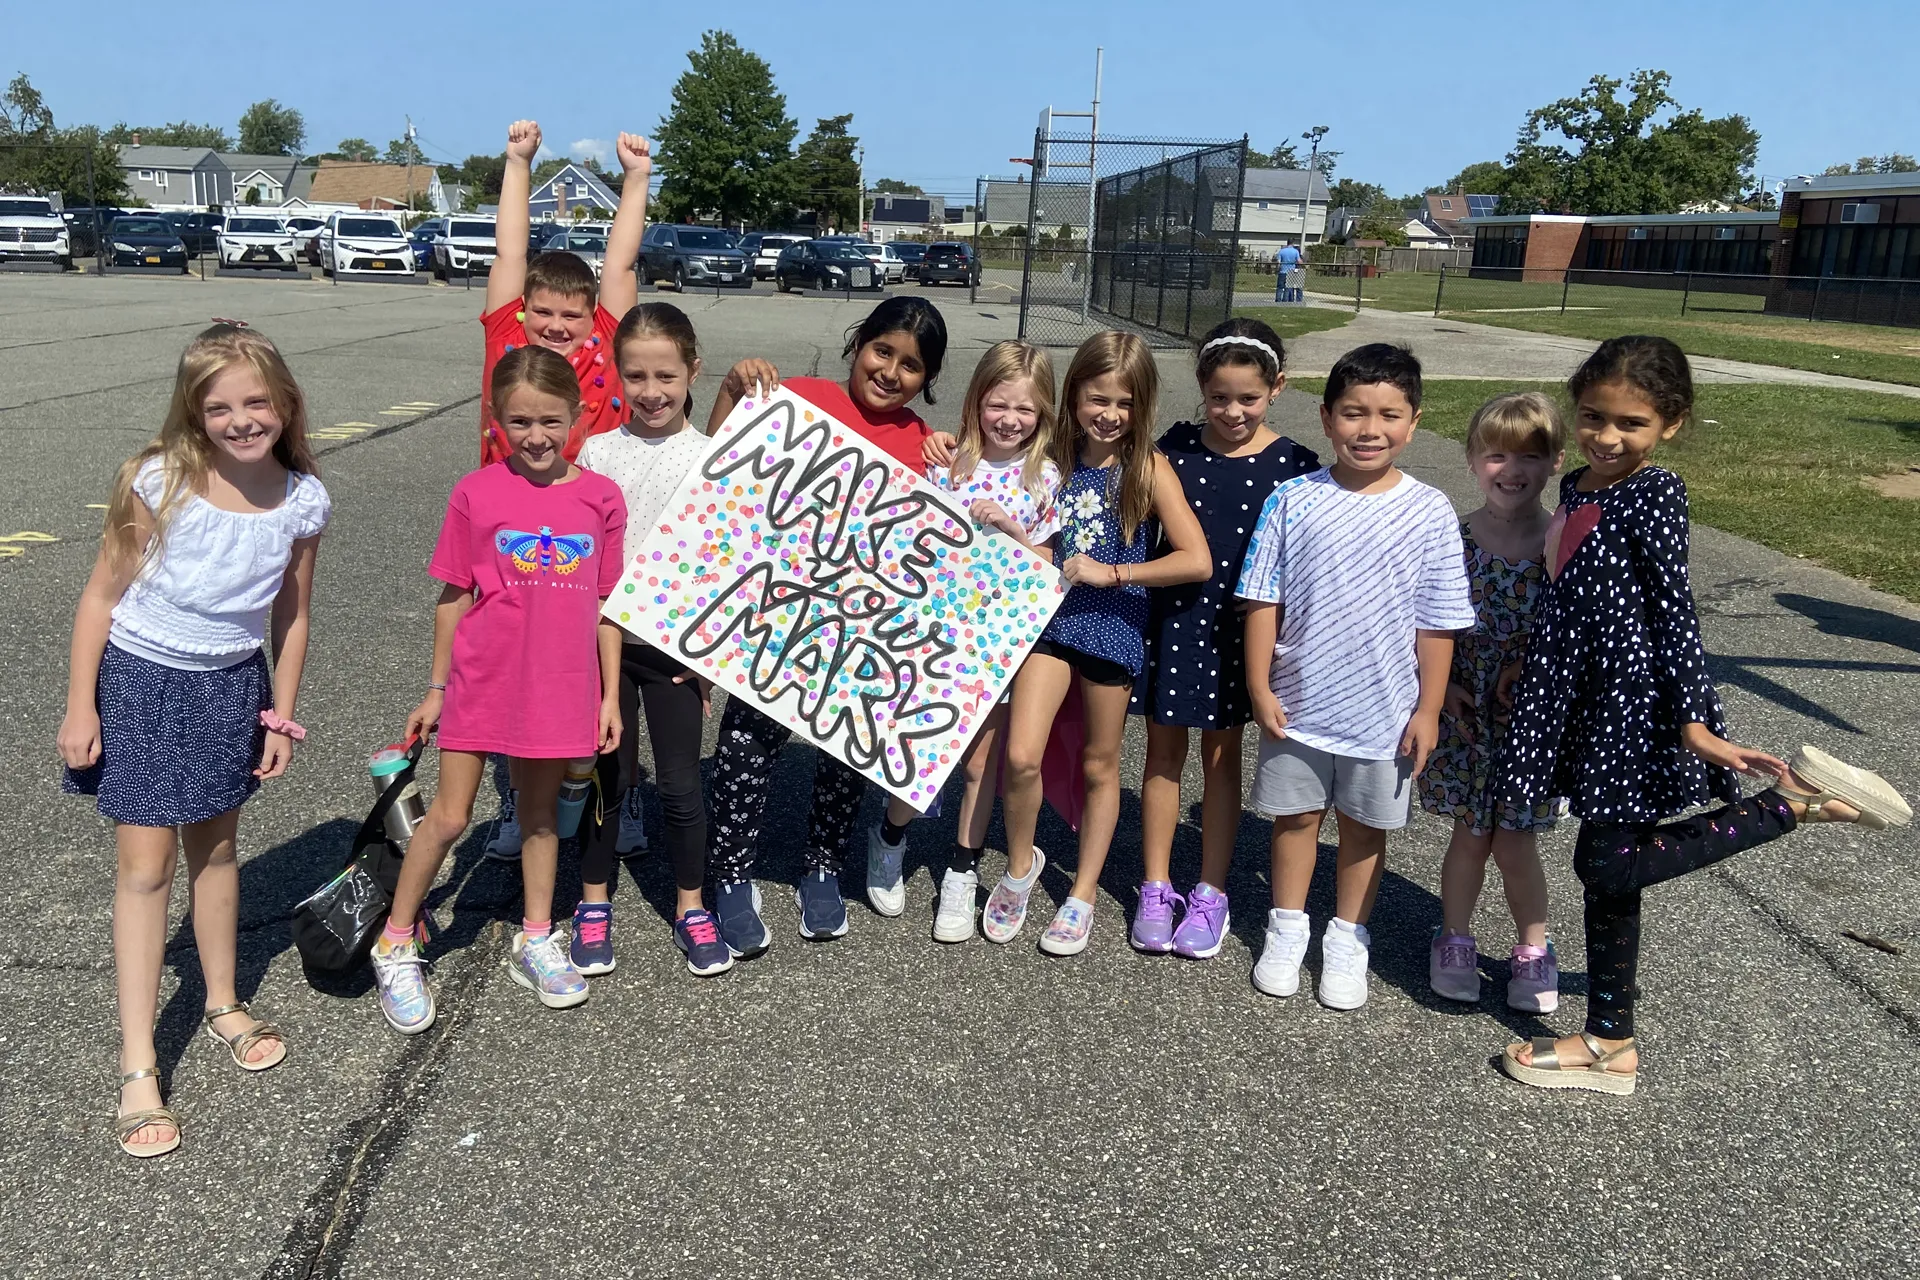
544 552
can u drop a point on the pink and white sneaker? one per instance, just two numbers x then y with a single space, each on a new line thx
1535 984
1006 909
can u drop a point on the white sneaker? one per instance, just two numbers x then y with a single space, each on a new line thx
1278 971
953 918
633 825
1343 965
886 888
504 844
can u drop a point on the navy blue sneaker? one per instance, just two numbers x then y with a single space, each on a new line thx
591 945
823 912
696 934
736 908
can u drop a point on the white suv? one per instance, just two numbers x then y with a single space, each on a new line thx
892 269
466 247
32 231
364 243
256 240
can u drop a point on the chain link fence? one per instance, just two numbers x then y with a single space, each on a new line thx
1710 296
1143 237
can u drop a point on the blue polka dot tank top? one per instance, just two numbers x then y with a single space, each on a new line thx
1107 622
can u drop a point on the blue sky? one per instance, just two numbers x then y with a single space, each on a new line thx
940 94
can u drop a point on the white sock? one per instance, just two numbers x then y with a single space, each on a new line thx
1292 917
1359 931
1023 883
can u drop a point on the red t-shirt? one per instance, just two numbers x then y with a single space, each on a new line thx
900 433
601 405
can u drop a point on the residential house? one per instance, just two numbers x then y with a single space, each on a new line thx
371 185
1281 206
892 216
1053 205
573 187
175 177
273 180
1446 215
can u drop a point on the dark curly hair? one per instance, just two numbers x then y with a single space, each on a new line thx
1653 366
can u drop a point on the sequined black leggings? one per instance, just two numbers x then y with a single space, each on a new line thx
742 773
1616 863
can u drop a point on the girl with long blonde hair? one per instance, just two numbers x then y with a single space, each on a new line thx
173 719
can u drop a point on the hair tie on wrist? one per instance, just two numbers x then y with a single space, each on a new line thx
276 724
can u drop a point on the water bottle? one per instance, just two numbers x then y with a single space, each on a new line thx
408 808
574 790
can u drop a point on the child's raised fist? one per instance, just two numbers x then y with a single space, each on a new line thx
635 152
523 140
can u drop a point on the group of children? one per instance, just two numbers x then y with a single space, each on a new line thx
1503 667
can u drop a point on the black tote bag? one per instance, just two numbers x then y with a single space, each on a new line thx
335 927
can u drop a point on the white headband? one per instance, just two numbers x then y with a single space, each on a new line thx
1234 339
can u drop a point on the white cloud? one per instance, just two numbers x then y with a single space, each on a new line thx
599 150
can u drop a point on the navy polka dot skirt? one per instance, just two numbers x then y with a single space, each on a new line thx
175 746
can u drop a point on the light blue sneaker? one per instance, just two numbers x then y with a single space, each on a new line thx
406 1001
542 966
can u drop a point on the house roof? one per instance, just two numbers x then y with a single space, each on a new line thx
602 194
243 165
353 182
1059 203
149 157
1281 184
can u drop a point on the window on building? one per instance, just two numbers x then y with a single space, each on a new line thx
1500 248
146 175
160 179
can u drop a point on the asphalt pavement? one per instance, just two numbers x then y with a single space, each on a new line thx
881 1106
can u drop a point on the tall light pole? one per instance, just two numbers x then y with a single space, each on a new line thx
1312 135
860 222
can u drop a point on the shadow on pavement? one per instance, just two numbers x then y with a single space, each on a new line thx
1856 622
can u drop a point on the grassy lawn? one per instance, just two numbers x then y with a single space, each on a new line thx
1785 466
1292 322
1725 325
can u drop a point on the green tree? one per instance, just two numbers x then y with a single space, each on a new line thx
1894 163
1482 178
356 149
827 177
895 187
269 129
179 134
48 159
548 167
1350 194
1281 157
725 146
1382 224
404 151
1597 154
481 174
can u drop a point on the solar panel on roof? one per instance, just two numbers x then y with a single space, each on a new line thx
1482 206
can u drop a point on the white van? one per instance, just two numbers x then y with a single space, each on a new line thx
365 244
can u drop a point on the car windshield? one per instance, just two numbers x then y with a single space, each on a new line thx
305 224
369 227
590 244
704 240
475 230
141 227
260 226
26 208
840 249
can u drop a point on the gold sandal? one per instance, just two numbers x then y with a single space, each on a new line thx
1862 790
245 1040
1546 1071
125 1126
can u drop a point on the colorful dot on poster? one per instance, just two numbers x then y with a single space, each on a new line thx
615 402
599 380
599 359
520 316
506 348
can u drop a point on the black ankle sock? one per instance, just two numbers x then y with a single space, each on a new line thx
890 833
963 859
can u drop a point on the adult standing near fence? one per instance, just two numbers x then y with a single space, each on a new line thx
1286 262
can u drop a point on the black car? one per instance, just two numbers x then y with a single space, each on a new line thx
148 241
200 232
827 265
692 255
949 262
911 252
81 221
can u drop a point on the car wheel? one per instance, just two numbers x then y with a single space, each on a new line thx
680 277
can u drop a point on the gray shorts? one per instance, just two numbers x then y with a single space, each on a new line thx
1295 778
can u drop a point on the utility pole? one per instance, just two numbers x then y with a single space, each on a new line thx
409 137
1312 135
860 222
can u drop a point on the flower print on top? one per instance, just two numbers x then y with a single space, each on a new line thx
1106 622
545 551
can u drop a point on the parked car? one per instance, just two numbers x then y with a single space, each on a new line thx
145 241
949 262
466 247
356 243
200 232
824 264
892 269
423 236
306 228
1156 263
86 224
586 245
691 255
763 250
30 231
910 252
255 240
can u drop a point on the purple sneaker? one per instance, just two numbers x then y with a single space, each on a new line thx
1153 921
1453 967
1205 928
1535 984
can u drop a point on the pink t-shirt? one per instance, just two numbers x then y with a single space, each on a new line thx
526 657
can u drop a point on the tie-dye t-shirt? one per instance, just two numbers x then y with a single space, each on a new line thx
526 659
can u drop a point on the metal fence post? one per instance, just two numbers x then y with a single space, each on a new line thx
1440 292
1359 280
1686 292
1026 243
1566 283
979 211
1813 308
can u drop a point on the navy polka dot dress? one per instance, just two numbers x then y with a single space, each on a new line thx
1107 622
1196 661
1615 665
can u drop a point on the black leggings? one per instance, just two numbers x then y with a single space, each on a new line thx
1616 863
742 772
674 721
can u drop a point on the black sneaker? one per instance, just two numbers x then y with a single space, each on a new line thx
823 912
736 907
